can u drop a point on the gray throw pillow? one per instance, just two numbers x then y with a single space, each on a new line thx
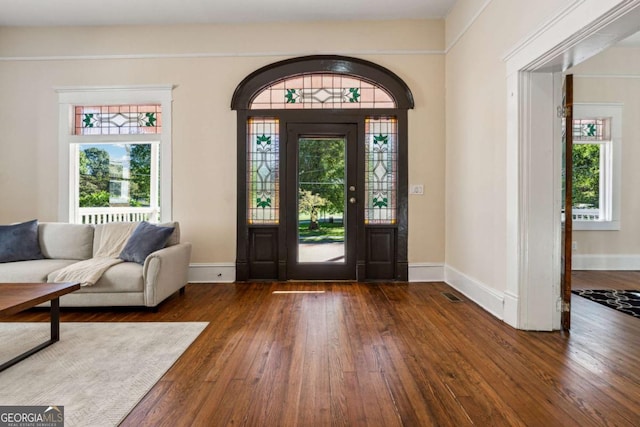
145 239
19 242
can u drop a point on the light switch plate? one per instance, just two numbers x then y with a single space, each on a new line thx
416 189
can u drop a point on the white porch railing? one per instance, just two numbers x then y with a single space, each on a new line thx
117 214
585 214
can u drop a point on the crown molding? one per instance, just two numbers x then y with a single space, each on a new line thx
606 76
555 18
416 52
469 24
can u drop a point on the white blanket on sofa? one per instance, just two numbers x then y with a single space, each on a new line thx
113 239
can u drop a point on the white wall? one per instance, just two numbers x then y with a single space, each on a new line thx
476 131
206 63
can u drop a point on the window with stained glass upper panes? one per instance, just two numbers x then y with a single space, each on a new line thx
381 170
119 154
596 184
591 158
263 168
322 91
116 180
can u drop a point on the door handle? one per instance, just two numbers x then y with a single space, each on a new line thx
352 200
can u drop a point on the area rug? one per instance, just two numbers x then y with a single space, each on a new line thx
97 371
625 301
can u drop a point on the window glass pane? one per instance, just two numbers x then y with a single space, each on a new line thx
117 119
322 90
263 170
381 173
586 182
115 182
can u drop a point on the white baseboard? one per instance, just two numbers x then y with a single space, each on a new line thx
486 297
226 272
511 309
212 273
605 262
426 272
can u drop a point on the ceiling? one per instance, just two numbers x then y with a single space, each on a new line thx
133 12
148 12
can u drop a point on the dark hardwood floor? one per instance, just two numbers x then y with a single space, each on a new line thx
382 355
594 279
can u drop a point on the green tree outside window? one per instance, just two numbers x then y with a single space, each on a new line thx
586 176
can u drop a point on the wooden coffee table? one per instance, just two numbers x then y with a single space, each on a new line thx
16 297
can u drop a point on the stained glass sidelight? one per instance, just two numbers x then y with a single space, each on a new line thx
118 119
322 91
381 169
263 170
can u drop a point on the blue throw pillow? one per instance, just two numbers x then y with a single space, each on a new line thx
19 242
145 239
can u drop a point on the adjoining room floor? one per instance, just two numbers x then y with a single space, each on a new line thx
605 279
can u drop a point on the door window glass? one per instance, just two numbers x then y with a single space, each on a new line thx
321 201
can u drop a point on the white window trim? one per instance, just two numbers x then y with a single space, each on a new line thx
68 97
611 172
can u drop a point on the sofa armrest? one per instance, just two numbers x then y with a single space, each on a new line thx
164 272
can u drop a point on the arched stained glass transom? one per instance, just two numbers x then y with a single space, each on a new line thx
322 90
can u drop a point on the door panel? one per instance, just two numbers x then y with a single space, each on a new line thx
263 252
322 199
381 252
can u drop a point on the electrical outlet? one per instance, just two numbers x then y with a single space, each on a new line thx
574 245
416 189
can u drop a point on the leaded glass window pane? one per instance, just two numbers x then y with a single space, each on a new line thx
591 130
263 170
381 169
118 119
322 91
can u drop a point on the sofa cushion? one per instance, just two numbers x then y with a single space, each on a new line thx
19 242
146 238
66 241
123 277
174 238
31 271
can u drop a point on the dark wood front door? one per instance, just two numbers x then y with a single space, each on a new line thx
567 224
322 196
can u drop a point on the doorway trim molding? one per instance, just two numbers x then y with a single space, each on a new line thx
532 162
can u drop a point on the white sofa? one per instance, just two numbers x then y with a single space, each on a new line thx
126 284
